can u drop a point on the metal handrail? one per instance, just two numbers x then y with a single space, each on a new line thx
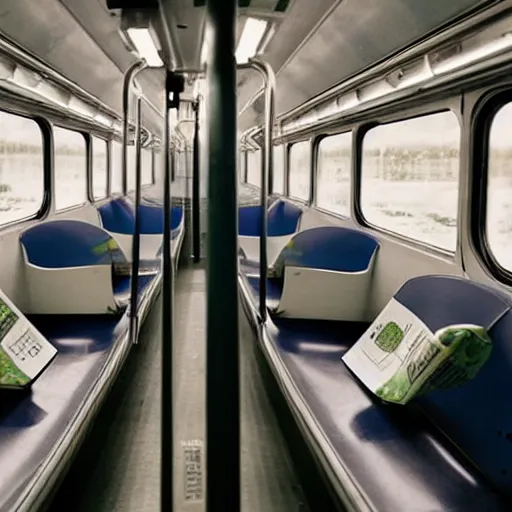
269 78
196 189
130 74
134 292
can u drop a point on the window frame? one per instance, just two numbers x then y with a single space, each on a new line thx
438 107
483 115
88 168
290 145
45 128
92 199
316 152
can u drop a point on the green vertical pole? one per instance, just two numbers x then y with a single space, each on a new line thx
167 406
222 361
196 191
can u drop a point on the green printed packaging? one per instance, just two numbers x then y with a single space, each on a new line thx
10 375
453 357
399 357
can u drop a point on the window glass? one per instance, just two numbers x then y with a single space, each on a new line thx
21 168
409 180
278 178
99 168
157 158
499 189
147 167
70 168
254 167
130 169
241 166
116 168
299 169
333 173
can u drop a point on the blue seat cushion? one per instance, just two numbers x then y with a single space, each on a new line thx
122 287
32 422
328 248
478 415
282 219
274 290
395 455
69 243
118 216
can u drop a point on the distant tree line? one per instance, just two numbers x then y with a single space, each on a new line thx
21 148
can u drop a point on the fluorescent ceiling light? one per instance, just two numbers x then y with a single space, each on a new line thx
145 46
252 35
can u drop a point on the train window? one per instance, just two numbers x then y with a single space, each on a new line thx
409 178
147 167
99 168
116 168
333 173
130 169
21 168
254 167
241 166
278 170
70 168
299 170
499 189
154 164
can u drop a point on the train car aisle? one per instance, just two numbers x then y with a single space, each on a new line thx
117 468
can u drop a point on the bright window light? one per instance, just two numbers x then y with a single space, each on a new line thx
251 38
145 46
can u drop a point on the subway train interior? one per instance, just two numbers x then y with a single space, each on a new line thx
275 242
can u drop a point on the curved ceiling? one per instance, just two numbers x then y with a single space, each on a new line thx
80 40
355 35
316 44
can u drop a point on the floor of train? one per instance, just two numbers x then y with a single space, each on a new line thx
117 468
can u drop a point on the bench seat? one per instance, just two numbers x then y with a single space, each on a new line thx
32 423
283 220
117 217
323 273
445 451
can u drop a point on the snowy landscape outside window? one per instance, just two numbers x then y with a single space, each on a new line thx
333 173
278 170
116 168
410 178
499 189
299 170
130 168
99 168
147 167
70 168
21 168
254 167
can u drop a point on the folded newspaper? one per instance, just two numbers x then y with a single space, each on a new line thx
399 358
24 352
